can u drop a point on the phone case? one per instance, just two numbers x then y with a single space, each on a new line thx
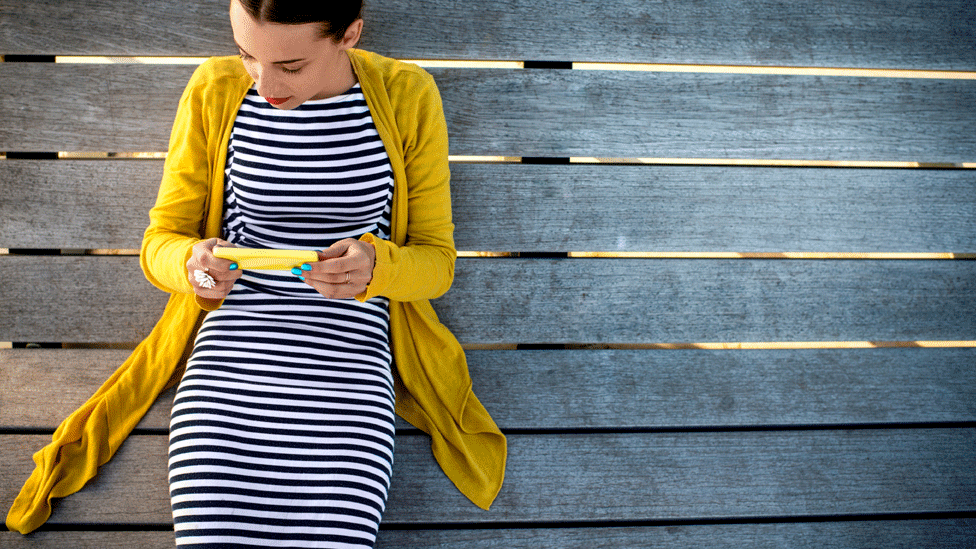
255 259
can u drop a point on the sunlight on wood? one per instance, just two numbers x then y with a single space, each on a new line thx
485 254
772 162
729 346
127 60
461 159
462 64
773 255
585 66
86 155
778 70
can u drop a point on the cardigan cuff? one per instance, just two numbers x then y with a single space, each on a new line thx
383 269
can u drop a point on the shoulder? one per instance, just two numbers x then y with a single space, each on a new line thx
399 78
220 74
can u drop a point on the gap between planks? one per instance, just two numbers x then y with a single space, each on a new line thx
645 161
700 346
858 72
471 254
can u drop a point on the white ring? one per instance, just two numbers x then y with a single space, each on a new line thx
347 279
203 279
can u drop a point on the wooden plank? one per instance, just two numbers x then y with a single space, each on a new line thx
76 204
891 534
104 203
609 477
892 34
120 108
500 300
29 376
639 389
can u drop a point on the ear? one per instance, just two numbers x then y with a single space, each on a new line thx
351 38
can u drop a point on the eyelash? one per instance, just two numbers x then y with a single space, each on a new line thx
285 70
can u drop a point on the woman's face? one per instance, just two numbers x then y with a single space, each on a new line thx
292 64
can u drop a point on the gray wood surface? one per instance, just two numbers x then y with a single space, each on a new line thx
890 534
125 108
606 477
517 207
106 299
605 389
891 34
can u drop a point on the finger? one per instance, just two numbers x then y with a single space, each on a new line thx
212 263
355 259
334 291
337 249
316 274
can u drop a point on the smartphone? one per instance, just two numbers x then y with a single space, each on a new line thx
256 258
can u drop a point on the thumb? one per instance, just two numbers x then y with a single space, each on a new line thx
336 250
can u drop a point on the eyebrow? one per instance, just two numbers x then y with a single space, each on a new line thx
288 62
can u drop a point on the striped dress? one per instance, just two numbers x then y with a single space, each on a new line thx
282 428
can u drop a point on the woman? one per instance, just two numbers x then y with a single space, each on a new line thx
283 425
282 429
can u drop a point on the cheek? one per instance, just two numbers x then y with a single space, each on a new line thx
252 70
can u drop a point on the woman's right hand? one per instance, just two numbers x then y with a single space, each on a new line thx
223 272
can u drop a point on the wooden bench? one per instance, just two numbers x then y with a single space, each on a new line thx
720 294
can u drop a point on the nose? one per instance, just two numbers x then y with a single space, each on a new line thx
265 78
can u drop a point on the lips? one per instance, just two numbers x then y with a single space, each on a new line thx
276 100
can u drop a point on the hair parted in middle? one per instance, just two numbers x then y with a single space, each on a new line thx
335 16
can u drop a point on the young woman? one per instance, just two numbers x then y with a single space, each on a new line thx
282 430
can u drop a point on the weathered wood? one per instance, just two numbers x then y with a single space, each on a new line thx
120 108
63 379
637 389
891 534
605 477
518 207
76 204
106 299
892 34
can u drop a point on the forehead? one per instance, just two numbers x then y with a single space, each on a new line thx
272 42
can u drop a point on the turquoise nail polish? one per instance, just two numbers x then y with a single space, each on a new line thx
306 267
302 278
296 272
233 266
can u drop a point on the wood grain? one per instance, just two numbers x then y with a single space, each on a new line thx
891 534
605 389
106 299
892 34
92 204
130 108
610 477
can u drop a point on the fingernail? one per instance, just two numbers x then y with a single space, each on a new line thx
306 267
302 278
296 272
233 266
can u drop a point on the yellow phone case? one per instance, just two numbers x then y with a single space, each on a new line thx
254 258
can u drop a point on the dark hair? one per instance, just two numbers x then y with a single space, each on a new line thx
335 16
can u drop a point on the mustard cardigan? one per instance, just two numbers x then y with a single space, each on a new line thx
417 264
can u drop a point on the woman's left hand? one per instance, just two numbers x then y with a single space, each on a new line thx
342 271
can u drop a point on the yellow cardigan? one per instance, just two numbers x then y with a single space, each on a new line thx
433 386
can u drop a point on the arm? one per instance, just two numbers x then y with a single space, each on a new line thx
423 268
176 222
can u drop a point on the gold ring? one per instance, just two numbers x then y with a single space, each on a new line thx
347 279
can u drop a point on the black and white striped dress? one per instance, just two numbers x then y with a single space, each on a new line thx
282 428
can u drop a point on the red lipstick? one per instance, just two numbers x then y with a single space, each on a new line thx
276 100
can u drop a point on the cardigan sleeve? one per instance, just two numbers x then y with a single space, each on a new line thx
176 222
423 267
